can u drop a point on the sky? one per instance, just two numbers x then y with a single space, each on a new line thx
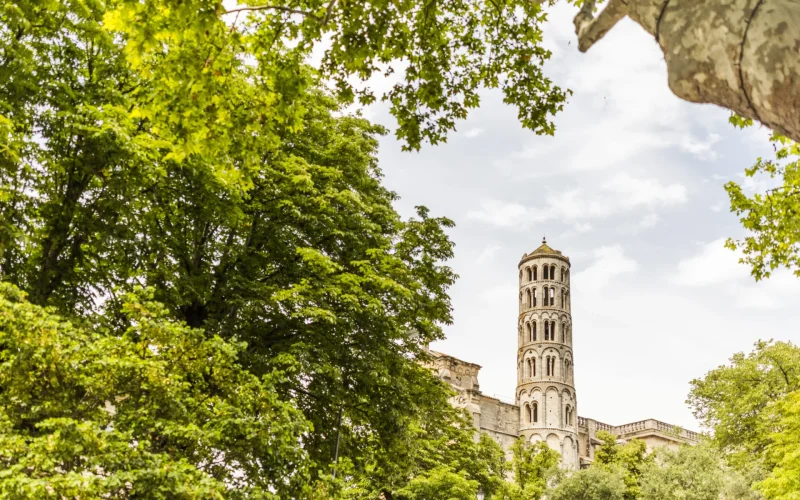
630 188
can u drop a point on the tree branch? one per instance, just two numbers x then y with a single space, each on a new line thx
271 7
591 29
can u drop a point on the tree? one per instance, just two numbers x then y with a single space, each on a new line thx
772 217
445 51
740 55
160 411
692 472
783 482
741 401
206 162
629 458
439 484
594 483
532 465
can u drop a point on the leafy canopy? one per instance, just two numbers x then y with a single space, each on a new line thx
160 411
442 52
772 216
752 406
206 162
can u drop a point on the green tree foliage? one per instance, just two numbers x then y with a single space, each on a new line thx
159 412
741 401
594 483
752 407
771 217
439 484
444 52
532 466
152 144
783 482
629 458
690 472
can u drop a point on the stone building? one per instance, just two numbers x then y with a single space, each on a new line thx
546 402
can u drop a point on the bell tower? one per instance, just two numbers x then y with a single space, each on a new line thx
545 383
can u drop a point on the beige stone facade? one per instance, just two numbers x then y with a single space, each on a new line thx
546 403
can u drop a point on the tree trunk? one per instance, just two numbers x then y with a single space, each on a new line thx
743 55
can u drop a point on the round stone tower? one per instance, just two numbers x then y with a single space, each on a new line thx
545 382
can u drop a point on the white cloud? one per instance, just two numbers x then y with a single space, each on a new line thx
649 221
718 267
473 132
717 207
487 253
610 262
714 265
701 149
498 213
622 193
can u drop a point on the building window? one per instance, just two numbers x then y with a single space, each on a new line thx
534 273
552 296
530 274
546 272
563 333
528 296
533 367
533 332
547 330
551 366
534 416
528 412
528 331
534 298
552 272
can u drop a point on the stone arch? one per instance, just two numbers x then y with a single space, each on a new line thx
568 454
554 442
536 438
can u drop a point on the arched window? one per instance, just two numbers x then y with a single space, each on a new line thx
528 368
547 330
528 412
533 332
562 275
552 296
552 272
533 367
534 298
535 412
530 274
534 273
546 271
528 296
528 330
564 333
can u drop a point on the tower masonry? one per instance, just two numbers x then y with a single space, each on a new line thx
544 406
545 390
